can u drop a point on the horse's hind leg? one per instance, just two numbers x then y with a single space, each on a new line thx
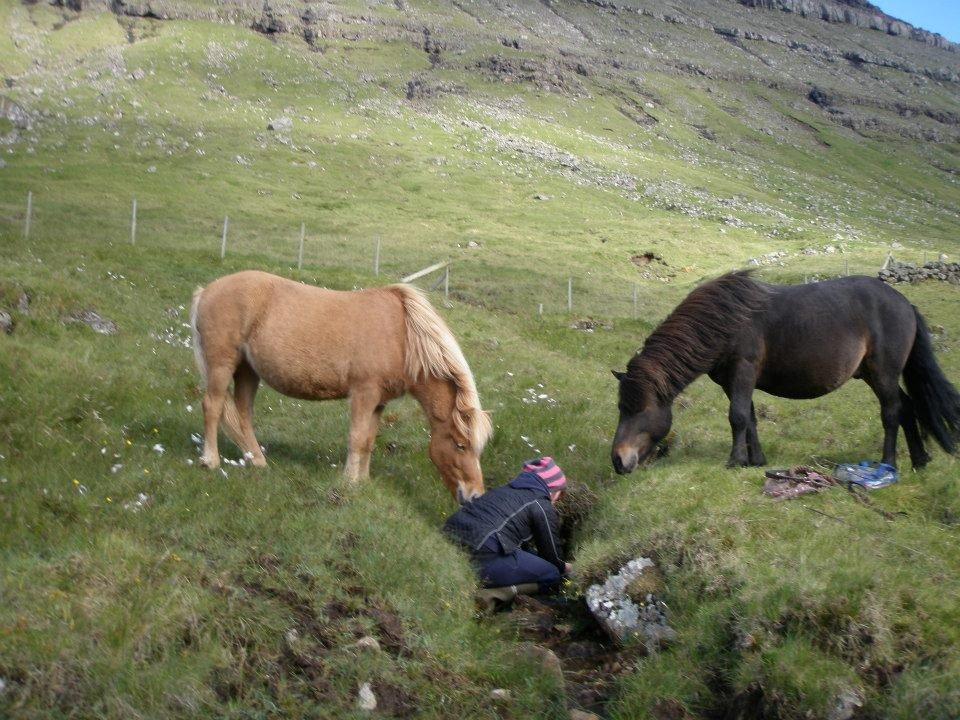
754 451
911 429
245 385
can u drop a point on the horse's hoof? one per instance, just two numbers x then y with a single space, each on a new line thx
255 460
210 463
920 462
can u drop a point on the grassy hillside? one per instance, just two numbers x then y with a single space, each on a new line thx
238 594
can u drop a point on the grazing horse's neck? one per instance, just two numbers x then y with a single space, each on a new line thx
698 334
437 397
653 378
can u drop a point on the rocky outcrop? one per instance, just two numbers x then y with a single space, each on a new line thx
856 13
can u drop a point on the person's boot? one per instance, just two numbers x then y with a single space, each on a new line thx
487 598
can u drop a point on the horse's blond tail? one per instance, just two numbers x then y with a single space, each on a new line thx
433 351
230 417
195 333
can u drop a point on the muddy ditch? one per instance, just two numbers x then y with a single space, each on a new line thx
589 660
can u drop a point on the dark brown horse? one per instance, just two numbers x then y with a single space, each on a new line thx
794 341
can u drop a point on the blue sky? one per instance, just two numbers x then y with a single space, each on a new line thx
941 16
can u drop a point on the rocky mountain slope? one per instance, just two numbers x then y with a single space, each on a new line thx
865 70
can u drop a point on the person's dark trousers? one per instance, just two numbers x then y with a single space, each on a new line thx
499 570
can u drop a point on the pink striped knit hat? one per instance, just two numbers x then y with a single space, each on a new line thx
548 471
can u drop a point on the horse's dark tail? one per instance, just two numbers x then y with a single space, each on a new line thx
936 401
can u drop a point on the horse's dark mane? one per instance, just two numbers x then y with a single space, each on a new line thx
694 335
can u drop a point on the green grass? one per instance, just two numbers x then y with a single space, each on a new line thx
185 607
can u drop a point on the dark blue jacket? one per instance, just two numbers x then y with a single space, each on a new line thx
513 514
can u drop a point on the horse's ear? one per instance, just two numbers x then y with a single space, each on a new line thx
618 375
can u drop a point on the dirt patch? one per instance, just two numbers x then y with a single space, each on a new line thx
544 74
645 258
390 628
590 325
422 89
394 701
308 622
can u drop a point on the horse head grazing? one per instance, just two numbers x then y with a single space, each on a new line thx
441 380
644 421
455 451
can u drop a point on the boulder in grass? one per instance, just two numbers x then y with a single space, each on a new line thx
6 322
282 124
97 323
622 617
547 659
366 700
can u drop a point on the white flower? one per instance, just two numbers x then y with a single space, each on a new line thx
115 468
158 448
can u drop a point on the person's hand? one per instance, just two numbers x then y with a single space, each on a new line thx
567 568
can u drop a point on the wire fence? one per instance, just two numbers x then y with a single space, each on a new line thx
457 270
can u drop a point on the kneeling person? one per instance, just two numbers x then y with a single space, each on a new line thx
495 526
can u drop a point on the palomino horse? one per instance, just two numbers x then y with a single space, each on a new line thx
794 341
371 346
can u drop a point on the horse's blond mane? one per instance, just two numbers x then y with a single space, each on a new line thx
433 351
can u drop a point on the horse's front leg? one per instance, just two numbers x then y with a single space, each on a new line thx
742 419
365 409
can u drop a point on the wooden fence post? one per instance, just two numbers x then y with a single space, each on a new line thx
223 242
376 259
133 223
303 230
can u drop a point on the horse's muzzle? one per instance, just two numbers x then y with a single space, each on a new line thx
465 497
625 460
